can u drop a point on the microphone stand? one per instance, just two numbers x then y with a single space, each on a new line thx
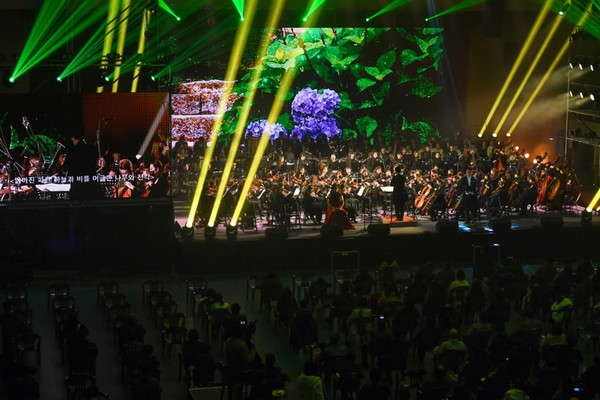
58 147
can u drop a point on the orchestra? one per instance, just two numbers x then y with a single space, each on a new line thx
442 179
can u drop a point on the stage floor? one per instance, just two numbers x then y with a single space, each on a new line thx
421 240
411 225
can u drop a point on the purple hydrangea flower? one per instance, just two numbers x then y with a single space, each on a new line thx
313 113
256 128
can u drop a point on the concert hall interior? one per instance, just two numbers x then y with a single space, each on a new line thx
414 171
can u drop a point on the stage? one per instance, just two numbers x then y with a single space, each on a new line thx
304 247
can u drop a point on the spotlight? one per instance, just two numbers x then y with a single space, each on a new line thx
209 232
231 231
508 134
526 155
586 217
58 79
305 19
494 134
138 156
187 233
565 8
7 78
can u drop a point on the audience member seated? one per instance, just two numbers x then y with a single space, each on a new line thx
363 283
196 354
270 289
386 274
233 319
309 383
458 288
437 384
286 307
331 356
304 330
374 390
560 309
342 306
451 353
237 352
268 379
148 366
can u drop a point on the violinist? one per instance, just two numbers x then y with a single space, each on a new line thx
313 203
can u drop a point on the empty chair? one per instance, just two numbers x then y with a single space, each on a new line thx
16 291
58 289
67 301
105 289
161 297
172 319
169 307
252 284
131 354
27 344
117 310
78 385
149 287
111 300
194 285
172 336
122 321
16 305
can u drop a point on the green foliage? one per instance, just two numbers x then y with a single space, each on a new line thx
47 145
341 59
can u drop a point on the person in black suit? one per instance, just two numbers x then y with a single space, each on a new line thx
399 193
469 188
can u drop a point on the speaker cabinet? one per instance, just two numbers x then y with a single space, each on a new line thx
552 221
500 224
278 232
446 226
378 229
331 231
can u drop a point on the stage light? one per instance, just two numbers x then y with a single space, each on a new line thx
210 231
586 216
367 19
249 96
235 58
595 200
522 53
526 155
494 134
394 4
58 79
11 79
231 231
532 67
187 233
565 8
508 134
140 51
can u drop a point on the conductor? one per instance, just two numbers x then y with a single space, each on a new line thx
399 193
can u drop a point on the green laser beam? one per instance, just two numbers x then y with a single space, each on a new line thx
458 7
78 21
162 4
239 6
313 7
389 7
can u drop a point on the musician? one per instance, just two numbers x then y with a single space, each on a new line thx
158 185
336 214
469 187
373 161
81 161
313 203
351 162
399 194
333 163
125 187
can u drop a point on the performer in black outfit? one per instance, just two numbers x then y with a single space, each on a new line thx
468 186
399 193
